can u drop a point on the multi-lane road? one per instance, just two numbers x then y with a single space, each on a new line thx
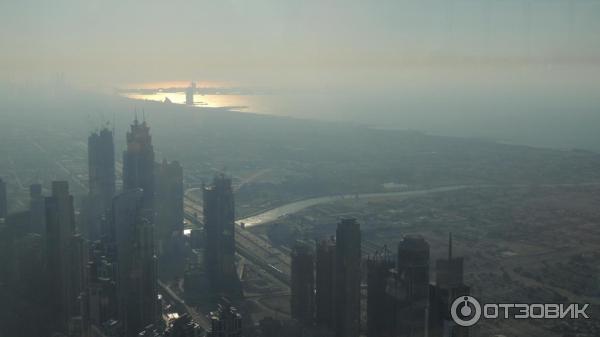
294 207
276 261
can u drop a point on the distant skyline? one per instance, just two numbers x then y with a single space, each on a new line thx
521 71
278 42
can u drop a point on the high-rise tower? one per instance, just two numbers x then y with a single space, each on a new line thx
101 166
3 200
136 262
409 287
413 262
189 94
325 284
347 279
169 200
138 164
379 306
449 285
60 231
219 227
37 209
303 284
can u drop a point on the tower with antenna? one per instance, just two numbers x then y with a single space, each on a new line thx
449 272
138 163
101 164
449 285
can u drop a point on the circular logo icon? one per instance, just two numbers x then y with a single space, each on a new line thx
465 311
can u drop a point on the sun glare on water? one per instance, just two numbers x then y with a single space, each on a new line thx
175 92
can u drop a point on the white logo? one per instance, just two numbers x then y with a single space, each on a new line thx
465 311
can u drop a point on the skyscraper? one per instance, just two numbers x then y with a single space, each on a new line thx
219 227
189 94
169 200
449 285
303 284
102 298
325 284
136 262
347 278
3 200
138 164
37 209
379 306
31 286
409 287
449 272
29 256
60 229
101 166
413 262
79 257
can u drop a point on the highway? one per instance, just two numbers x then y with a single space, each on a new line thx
276 261
294 207
297 206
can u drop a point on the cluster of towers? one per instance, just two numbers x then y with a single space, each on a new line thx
123 262
327 288
95 273
135 230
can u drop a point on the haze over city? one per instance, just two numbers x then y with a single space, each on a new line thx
435 66
314 168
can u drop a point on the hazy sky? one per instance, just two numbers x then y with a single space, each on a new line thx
263 41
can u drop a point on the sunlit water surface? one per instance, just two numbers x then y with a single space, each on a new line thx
545 106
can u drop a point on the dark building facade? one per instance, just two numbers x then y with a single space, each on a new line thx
219 227
101 182
347 278
101 167
449 285
60 231
37 209
138 164
303 284
402 302
169 201
379 305
325 284
136 262
3 200
196 286
31 286
408 287
30 263
101 293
